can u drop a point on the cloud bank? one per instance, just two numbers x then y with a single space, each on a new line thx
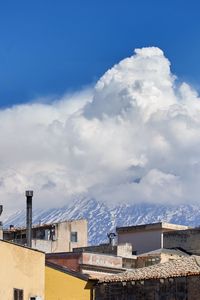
134 137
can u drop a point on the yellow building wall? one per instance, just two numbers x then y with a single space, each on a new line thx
21 268
61 286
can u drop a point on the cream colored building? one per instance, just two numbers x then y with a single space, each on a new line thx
51 238
22 273
147 237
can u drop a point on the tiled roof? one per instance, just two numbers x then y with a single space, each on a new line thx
185 266
164 251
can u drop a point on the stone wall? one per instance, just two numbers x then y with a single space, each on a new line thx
102 248
189 240
180 288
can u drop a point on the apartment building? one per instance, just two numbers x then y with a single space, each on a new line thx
55 237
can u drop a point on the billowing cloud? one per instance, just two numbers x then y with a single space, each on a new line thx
134 137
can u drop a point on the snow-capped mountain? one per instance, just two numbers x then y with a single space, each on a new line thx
103 219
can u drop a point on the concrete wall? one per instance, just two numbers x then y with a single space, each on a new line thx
148 260
124 250
188 240
95 259
62 240
146 237
102 248
43 245
142 241
21 268
87 262
69 260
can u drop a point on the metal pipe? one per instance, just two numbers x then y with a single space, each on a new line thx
1 209
29 196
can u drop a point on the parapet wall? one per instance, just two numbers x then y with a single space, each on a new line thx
188 240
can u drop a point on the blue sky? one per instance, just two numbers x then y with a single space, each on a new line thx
50 47
57 50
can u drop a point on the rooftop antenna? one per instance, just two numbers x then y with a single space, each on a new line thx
111 237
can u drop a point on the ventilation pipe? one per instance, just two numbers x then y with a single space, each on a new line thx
29 196
1 209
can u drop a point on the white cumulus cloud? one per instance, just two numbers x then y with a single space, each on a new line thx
133 137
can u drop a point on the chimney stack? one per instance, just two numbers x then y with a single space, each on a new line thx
1 209
29 196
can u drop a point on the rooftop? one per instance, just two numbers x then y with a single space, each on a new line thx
151 226
164 251
66 270
42 225
184 232
21 246
186 266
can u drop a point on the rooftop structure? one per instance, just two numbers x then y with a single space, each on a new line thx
146 237
185 239
55 237
151 226
123 250
87 262
161 255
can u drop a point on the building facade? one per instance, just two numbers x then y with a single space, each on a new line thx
145 238
177 279
158 256
21 273
64 284
87 262
189 240
55 237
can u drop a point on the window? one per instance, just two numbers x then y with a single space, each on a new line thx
74 237
152 261
18 294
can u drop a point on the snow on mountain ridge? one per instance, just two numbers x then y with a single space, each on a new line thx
102 219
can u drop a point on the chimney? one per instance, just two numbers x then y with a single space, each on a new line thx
29 196
1 209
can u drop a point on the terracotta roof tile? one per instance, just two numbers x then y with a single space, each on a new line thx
176 268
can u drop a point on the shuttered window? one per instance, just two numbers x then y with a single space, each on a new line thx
18 294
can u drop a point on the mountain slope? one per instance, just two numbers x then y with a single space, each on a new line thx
103 219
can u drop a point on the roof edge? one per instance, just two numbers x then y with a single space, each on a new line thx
66 270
